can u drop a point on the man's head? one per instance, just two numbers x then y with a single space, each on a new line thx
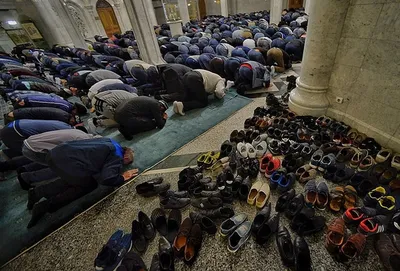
128 156
163 106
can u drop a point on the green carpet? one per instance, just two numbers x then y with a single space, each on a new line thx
149 147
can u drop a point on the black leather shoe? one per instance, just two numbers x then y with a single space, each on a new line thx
236 185
207 203
267 229
147 227
261 217
151 190
302 254
220 213
155 263
205 222
132 261
245 189
174 203
166 255
284 200
174 222
176 194
138 240
285 246
295 206
159 220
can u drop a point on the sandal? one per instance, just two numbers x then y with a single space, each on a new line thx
337 198
202 158
350 197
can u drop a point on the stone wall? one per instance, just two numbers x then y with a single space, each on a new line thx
252 5
366 73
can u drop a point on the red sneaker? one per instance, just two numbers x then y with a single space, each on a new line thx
272 166
264 161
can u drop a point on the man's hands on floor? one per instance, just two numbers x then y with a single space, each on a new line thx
129 174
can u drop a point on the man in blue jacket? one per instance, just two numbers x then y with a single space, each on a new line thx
81 166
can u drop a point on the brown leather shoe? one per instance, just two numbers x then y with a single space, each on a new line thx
193 244
335 235
387 252
354 246
182 236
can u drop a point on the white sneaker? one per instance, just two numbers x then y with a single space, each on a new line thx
261 149
273 73
251 152
259 139
229 84
178 108
241 147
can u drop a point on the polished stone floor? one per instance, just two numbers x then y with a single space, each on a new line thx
74 246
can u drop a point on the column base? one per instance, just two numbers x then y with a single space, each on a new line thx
176 28
308 100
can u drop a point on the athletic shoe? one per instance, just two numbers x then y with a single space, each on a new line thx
178 108
357 214
373 225
107 253
372 198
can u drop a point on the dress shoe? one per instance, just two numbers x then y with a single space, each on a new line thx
155 263
310 225
146 225
267 229
175 194
173 224
182 236
131 262
239 236
285 246
174 203
166 255
207 203
284 200
387 252
139 242
229 225
159 220
244 189
193 244
295 206
236 185
38 211
261 217
302 254
151 190
205 223
219 213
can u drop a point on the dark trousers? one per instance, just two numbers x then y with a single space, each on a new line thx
135 125
195 93
11 138
15 163
38 175
60 192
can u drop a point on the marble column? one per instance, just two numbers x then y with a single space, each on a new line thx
140 17
152 14
224 8
323 36
91 14
69 24
184 11
276 11
306 5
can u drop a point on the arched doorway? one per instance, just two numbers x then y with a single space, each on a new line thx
202 9
295 3
107 17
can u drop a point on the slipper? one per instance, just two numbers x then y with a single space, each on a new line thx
350 197
251 198
211 159
263 196
202 158
337 198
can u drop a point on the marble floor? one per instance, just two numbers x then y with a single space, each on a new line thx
75 245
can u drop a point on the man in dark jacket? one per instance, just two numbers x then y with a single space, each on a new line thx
42 113
81 166
172 81
139 115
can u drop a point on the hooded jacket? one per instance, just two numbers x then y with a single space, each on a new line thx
51 100
112 98
27 127
98 158
43 113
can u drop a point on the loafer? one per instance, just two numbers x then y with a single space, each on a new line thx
263 196
159 220
316 159
327 161
219 213
231 224
322 196
146 225
261 217
175 194
252 196
267 229
335 235
174 203
193 244
295 205
182 236
138 240
205 222
311 193
150 189
239 236
173 224
283 201
207 203
354 246
302 254
285 246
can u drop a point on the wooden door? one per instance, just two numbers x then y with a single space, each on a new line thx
295 3
202 8
108 18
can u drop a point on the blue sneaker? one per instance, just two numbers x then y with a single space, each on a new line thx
107 253
120 249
